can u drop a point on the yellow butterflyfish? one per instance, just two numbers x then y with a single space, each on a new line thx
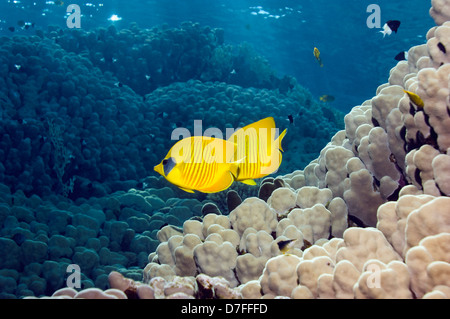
317 56
200 163
416 99
257 149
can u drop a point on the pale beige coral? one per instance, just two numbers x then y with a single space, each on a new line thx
251 290
392 217
309 196
440 11
282 199
439 292
441 171
255 213
257 247
333 163
381 281
431 218
363 244
216 259
309 271
193 227
95 293
361 197
314 223
429 264
166 232
279 277
184 255
153 270
345 276
440 39
339 214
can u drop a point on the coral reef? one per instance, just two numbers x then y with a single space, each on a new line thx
80 118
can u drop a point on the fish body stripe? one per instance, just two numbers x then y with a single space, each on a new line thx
202 165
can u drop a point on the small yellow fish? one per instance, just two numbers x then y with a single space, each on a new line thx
200 163
259 150
286 245
327 98
317 56
417 100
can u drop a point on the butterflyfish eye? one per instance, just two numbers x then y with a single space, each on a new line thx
168 164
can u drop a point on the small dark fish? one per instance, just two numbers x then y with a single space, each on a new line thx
442 47
291 119
286 245
118 84
21 23
12 29
162 115
402 56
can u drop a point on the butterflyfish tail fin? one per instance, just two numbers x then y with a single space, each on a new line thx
280 138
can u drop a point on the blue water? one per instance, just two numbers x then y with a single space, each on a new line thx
86 114
357 59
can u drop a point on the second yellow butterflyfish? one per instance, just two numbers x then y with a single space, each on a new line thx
258 150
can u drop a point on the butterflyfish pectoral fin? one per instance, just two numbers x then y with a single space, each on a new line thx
249 182
187 189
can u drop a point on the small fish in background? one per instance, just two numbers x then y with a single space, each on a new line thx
25 25
402 56
118 84
317 56
286 245
291 119
390 26
17 66
416 99
233 72
327 98
148 77
200 163
12 29
59 2
162 115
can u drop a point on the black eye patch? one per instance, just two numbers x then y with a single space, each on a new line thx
168 165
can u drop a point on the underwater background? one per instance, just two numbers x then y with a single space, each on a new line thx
86 113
